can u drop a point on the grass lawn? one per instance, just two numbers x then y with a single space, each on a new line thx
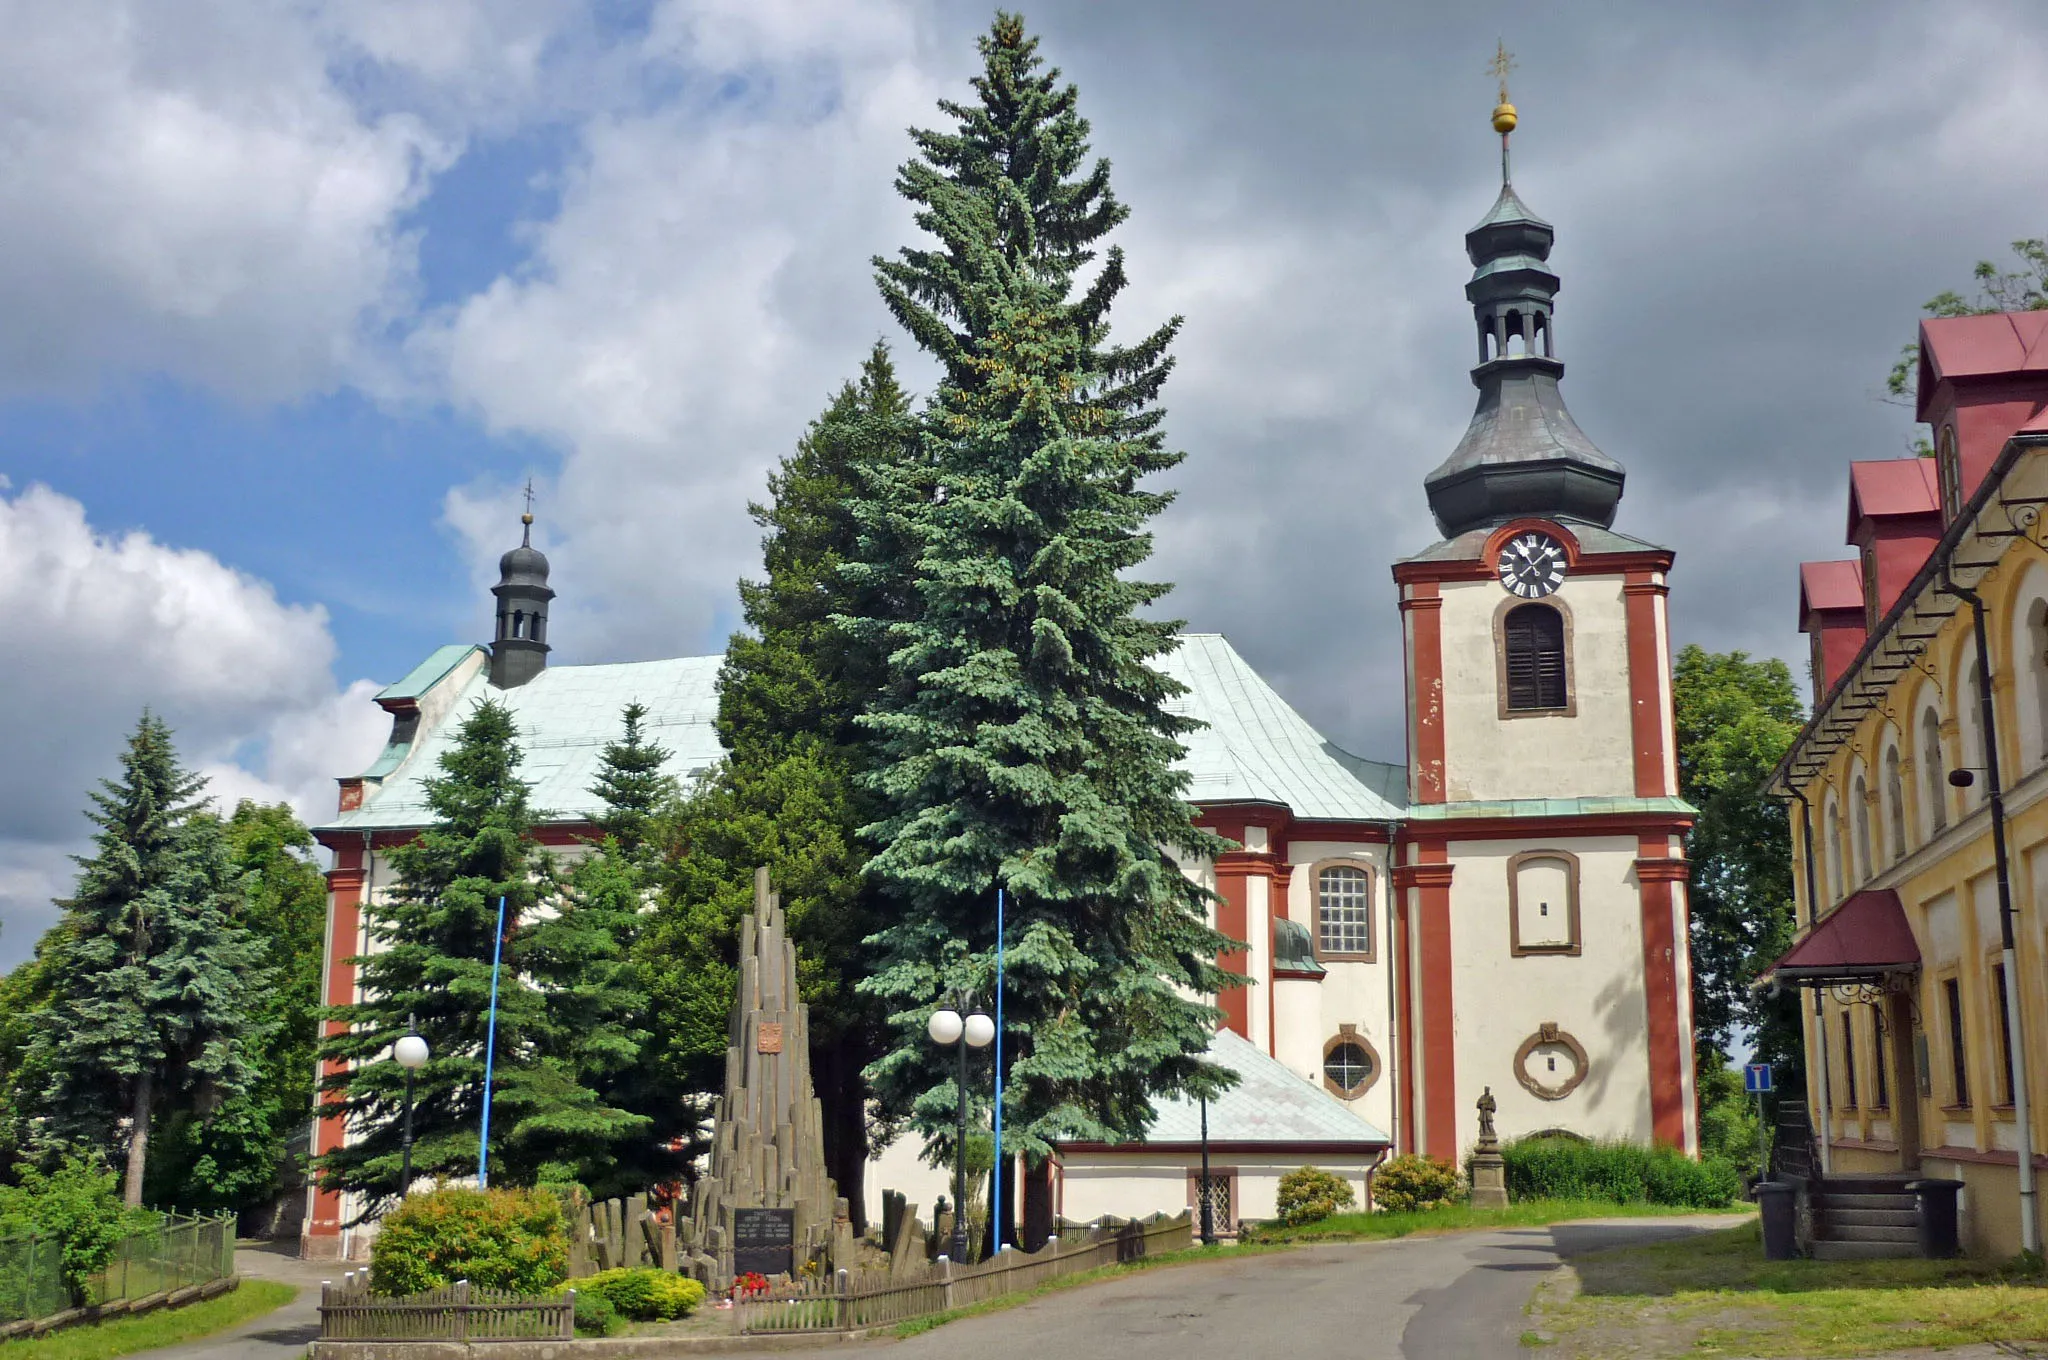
1716 1295
1454 1218
165 1327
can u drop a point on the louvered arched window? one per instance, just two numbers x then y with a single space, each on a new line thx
1533 638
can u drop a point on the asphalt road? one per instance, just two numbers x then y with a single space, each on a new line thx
1456 1297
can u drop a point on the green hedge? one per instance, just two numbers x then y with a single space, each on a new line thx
515 1240
1311 1194
643 1292
1625 1173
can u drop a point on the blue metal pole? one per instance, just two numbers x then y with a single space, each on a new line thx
997 1195
483 1147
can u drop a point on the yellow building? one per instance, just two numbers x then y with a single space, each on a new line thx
1902 923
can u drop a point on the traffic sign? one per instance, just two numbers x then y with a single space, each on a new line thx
1756 1079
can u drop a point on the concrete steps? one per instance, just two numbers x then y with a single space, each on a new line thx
1862 1218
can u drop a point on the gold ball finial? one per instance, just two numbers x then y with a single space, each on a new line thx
527 518
1504 118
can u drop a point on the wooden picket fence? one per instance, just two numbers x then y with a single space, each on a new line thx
849 1301
350 1312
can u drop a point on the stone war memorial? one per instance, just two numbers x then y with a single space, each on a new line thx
766 1207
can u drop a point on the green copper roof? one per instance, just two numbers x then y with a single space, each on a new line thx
428 673
1552 807
1271 1103
1509 207
1294 949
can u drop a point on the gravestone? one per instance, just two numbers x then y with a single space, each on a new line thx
767 1142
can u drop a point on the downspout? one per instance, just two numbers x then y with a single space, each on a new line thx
2015 1043
1820 1017
1394 1029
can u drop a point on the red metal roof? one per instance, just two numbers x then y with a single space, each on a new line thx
1865 937
1829 585
1896 486
1979 346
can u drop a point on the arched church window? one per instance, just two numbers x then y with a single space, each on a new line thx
1543 903
1933 774
1533 638
519 623
1895 801
1344 911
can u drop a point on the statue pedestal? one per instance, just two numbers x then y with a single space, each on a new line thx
1489 1177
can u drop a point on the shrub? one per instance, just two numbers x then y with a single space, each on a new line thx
644 1293
515 1240
1413 1181
79 1207
1311 1194
1620 1172
595 1315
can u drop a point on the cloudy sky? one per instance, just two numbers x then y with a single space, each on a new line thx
296 296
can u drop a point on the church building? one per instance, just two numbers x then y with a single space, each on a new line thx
1503 910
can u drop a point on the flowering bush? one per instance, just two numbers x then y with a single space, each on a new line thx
751 1285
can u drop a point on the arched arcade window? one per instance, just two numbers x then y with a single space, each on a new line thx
1895 801
1933 777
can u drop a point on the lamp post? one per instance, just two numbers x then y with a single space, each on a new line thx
411 1053
1208 1206
974 1030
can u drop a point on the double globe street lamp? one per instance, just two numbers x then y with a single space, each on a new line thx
973 1030
411 1054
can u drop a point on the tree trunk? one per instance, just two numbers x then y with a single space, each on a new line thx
138 1137
835 1069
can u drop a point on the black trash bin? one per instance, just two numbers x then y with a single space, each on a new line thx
1777 1199
1935 1199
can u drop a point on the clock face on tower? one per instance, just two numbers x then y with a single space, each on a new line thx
1531 564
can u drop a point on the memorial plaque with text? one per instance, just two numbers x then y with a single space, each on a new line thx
770 1038
764 1241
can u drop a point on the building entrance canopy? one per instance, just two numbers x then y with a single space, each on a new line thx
1866 939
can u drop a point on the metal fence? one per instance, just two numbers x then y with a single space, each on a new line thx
179 1252
846 1302
350 1312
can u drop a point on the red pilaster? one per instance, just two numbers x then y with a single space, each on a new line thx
344 927
1424 608
1647 667
1656 871
1232 917
1435 1018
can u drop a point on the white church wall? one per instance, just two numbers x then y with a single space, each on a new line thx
1352 992
899 1167
1596 998
1095 1184
1487 755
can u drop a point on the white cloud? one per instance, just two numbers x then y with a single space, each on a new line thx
100 626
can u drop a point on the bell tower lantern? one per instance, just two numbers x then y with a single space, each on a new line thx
519 651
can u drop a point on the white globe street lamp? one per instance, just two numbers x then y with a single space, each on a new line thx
975 1030
410 1052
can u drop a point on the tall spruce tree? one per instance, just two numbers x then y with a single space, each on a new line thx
154 1003
632 785
787 794
431 964
1023 733
250 1150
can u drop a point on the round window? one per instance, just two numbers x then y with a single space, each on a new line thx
1348 1067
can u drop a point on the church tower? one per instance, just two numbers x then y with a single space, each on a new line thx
1542 889
519 649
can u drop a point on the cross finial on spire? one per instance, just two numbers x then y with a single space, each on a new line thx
1503 112
526 519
